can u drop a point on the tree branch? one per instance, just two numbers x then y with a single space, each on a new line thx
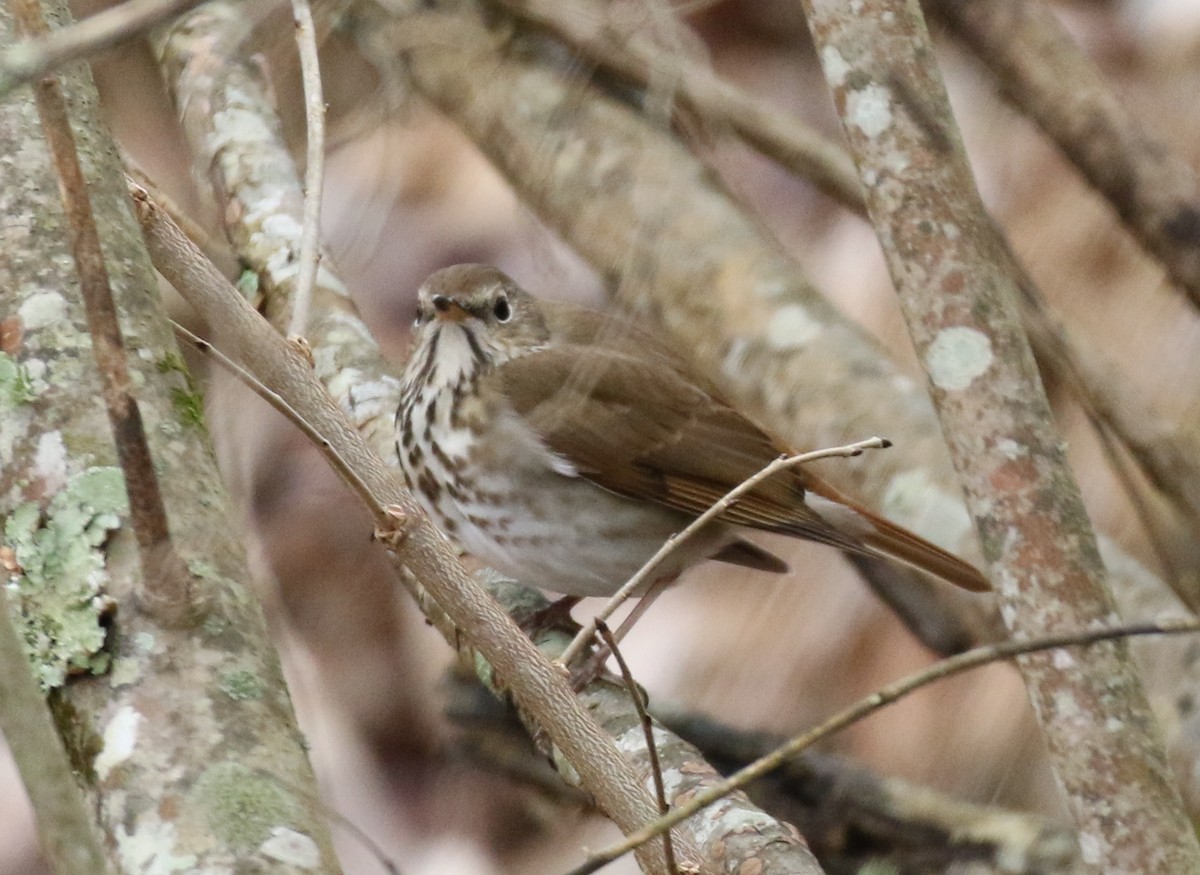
960 302
68 837
887 695
1047 77
167 583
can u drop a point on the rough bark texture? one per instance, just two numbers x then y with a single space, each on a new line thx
235 133
638 206
948 266
1043 72
183 738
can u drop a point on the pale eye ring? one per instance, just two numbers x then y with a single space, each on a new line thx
501 309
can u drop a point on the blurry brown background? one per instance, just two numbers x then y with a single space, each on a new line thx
406 194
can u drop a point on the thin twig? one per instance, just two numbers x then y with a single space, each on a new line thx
947 668
634 583
314 171
31 59
167 591
454 603
639 705
790 143
273 398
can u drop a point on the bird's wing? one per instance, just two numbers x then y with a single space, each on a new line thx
630 420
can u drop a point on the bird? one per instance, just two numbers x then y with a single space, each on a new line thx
564 446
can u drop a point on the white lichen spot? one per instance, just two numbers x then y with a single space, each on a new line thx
124 672
792 328
50 461
1066 706
120 739
869 109
1089 849
957 356
292 848
835 66
1063 660
1114 724
237 124
725 820
1006 585
150 848
896 162
42 309
1010 449
950 230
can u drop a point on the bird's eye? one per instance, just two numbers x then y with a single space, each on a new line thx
501 310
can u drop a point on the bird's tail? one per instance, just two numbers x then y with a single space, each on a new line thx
900 544
882 537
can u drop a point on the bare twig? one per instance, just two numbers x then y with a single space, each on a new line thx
637 697
314 170
960 302
459 608
68 837
30 59
946 668
644 573
167 591
1114 407
852 816
340 465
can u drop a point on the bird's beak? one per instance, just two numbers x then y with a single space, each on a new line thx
448 310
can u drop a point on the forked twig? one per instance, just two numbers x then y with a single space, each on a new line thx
949 667
275 400
643 574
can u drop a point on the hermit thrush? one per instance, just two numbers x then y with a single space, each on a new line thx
564 446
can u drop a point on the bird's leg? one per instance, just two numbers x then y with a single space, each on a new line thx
589 669
555 615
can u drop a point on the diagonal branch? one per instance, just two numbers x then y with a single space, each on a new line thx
1047 77
893 692
960 301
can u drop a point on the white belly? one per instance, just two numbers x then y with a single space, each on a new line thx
524 511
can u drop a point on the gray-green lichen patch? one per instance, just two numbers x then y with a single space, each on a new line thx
16 384
241 685
249 285
188 401
59 577
242 806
